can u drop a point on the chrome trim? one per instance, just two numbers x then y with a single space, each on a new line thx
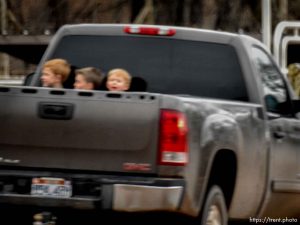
132 198
292 186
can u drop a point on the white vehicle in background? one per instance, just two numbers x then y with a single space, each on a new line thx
286 33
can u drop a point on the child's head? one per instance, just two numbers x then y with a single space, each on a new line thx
55 72
118 80
87 78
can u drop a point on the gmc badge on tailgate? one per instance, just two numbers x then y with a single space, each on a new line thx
136 166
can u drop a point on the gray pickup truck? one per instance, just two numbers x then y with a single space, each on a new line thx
208 129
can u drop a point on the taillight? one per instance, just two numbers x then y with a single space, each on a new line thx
173 143
156 31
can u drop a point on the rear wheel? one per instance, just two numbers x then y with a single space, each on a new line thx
214 211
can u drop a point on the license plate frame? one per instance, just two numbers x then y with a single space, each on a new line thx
51 187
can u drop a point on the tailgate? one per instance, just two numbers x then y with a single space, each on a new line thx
78 130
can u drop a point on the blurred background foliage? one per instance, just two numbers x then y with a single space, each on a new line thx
44 17
41 16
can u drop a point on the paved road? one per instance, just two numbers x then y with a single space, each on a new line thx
24 216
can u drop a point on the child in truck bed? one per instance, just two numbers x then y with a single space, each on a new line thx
88 78
118 80
55 72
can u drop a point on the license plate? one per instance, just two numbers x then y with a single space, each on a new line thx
51 187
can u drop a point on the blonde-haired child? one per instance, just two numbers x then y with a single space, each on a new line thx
118 80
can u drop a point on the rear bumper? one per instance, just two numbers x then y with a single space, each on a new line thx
118 193
146 198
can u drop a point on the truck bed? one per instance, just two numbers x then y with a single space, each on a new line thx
77 130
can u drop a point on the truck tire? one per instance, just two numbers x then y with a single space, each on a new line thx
214 211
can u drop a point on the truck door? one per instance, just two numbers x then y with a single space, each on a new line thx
284 130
